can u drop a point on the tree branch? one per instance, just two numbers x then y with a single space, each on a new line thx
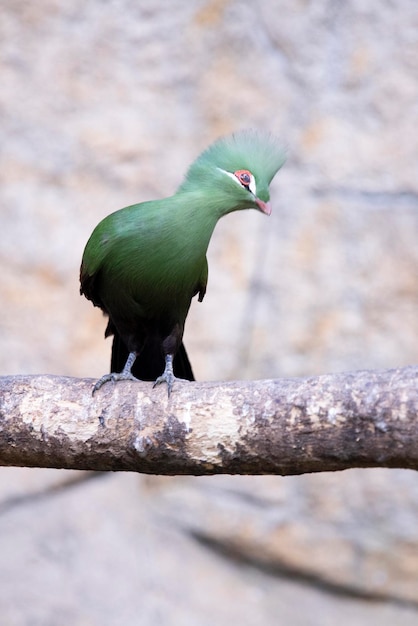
287 426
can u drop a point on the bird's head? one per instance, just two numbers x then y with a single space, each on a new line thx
235 172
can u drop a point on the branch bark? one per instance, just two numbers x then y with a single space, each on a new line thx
285 426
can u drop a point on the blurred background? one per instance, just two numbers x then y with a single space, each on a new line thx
106 103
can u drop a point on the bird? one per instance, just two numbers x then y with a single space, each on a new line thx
143 264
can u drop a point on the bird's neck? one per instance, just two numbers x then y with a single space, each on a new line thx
195 220
208 205
190 216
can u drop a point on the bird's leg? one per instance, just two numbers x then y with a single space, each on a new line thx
170 345
125 374
168 375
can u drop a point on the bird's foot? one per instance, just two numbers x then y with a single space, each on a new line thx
167 376
113 377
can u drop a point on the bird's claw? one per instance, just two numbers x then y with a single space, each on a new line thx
113 377
166 377
170 379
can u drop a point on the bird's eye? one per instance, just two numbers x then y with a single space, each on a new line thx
244 177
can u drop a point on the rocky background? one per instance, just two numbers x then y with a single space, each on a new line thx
106 103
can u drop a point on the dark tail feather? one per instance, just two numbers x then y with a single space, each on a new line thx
181 364
150 363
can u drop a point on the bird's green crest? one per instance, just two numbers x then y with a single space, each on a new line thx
260 153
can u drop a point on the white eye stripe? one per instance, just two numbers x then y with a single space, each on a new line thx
252 186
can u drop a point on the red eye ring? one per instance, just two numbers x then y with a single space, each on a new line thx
244 177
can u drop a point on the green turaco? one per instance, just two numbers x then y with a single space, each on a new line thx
143 264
